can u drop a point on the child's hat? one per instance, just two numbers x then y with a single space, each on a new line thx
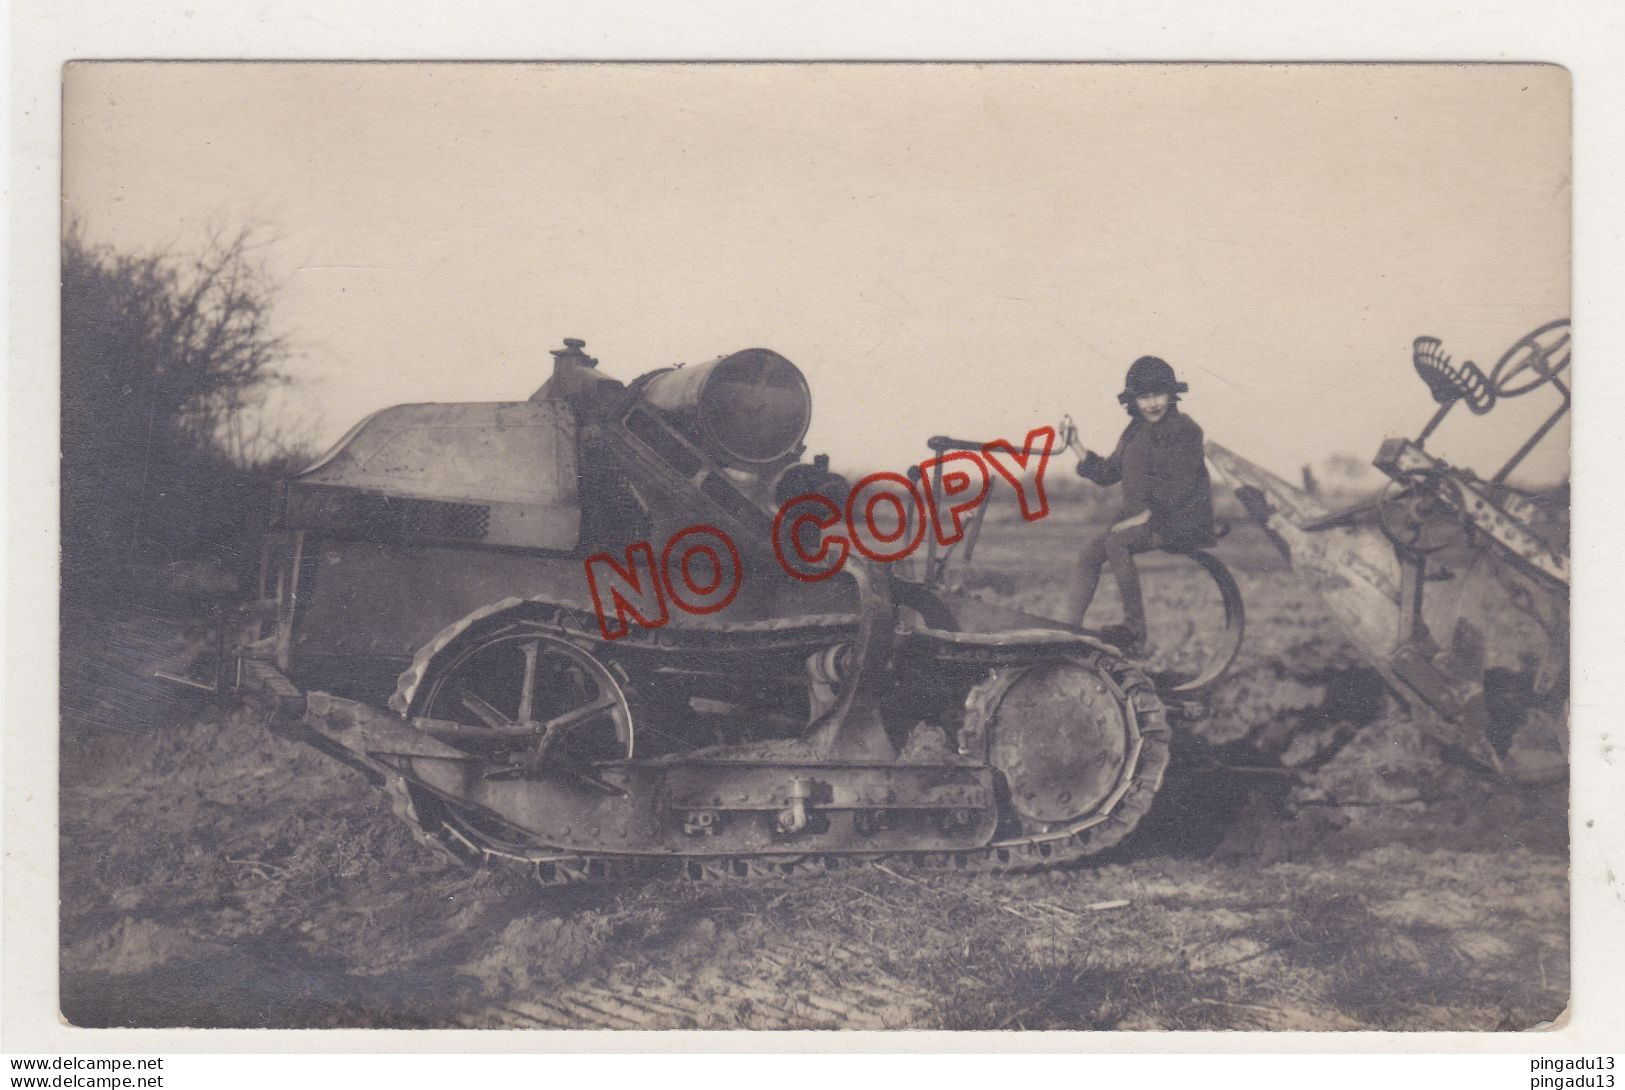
1149 375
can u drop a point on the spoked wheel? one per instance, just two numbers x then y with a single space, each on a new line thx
1538 358
532 703
522 693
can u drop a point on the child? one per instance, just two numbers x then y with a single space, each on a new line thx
1167 499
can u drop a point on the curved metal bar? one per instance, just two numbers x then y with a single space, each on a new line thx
1235 623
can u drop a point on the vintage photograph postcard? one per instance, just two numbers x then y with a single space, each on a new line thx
815 546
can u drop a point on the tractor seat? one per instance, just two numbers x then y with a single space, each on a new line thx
1201 545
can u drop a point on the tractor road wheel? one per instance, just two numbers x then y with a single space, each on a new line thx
1080 753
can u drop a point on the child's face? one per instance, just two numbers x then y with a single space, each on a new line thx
1153 407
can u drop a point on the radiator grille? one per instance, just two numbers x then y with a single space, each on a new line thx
390 519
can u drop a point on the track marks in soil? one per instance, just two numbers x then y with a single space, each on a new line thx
672 965
771 993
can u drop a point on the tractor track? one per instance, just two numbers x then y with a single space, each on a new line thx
1056 845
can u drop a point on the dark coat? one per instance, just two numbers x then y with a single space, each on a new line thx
1163 470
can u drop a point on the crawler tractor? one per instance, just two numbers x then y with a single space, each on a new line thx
425 617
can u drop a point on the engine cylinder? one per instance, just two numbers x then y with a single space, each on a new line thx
748 409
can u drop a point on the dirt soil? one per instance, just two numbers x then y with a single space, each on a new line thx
1313 863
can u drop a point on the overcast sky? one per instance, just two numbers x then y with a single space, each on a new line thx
964 249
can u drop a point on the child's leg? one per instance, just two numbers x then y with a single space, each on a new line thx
1128 585
1090 561
1120 550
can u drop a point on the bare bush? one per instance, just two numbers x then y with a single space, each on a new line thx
166 364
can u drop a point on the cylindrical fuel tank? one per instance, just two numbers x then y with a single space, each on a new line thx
747 409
